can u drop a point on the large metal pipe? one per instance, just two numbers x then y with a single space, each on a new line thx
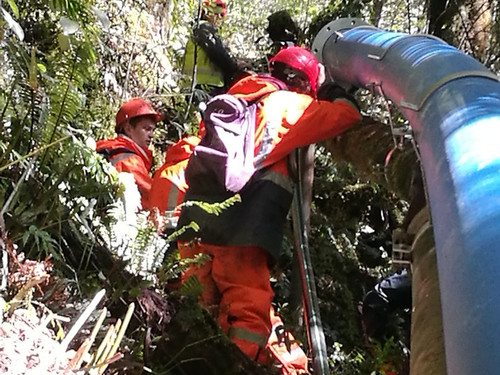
453 105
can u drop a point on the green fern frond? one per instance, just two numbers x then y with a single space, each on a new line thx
171 268
171 258
18 57
192 287
174 236
214 208
170 262
198 260
75 9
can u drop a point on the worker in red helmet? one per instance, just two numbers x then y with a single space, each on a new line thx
245 238
299 69
215 8
129 150
207 60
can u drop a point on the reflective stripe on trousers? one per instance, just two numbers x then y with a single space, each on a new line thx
236 283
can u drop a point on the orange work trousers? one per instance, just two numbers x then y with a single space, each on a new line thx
236 282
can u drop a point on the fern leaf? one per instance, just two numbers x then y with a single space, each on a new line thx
214 208
192 287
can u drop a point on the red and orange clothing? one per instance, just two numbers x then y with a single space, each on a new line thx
128 156
286 349
244 237
296 120
169 185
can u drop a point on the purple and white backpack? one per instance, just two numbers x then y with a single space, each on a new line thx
224 160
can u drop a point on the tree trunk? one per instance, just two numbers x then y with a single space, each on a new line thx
377 12
371 149
480 17
427 341
439 14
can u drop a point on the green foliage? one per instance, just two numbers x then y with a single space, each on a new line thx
335 9
192 287
350 363
13 7
389 354
214 208
376 359
54 183
45 244
192 225
171 268
350 239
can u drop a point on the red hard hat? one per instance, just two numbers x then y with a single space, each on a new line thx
214 3
133 108
301 59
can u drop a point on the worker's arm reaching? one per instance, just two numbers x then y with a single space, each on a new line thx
205 36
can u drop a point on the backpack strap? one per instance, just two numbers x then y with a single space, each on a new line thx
272 125
280 85
111 154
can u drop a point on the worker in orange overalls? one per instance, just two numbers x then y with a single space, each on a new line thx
129 150
167 193
245 237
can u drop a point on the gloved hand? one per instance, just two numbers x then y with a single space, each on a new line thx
332 91
200 96
244 65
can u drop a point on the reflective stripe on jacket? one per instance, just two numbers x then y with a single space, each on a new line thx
130 158
285 120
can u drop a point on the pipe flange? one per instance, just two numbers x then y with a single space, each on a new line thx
334 27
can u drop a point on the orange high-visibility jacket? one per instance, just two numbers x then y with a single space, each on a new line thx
128 156
285 120
169 185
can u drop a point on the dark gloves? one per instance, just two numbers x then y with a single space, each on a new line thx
282 28
332 91
205 35
200 96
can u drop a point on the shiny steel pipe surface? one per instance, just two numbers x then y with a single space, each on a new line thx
453 105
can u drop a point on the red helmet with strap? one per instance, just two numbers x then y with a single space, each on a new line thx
212 5
133 108
301 59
